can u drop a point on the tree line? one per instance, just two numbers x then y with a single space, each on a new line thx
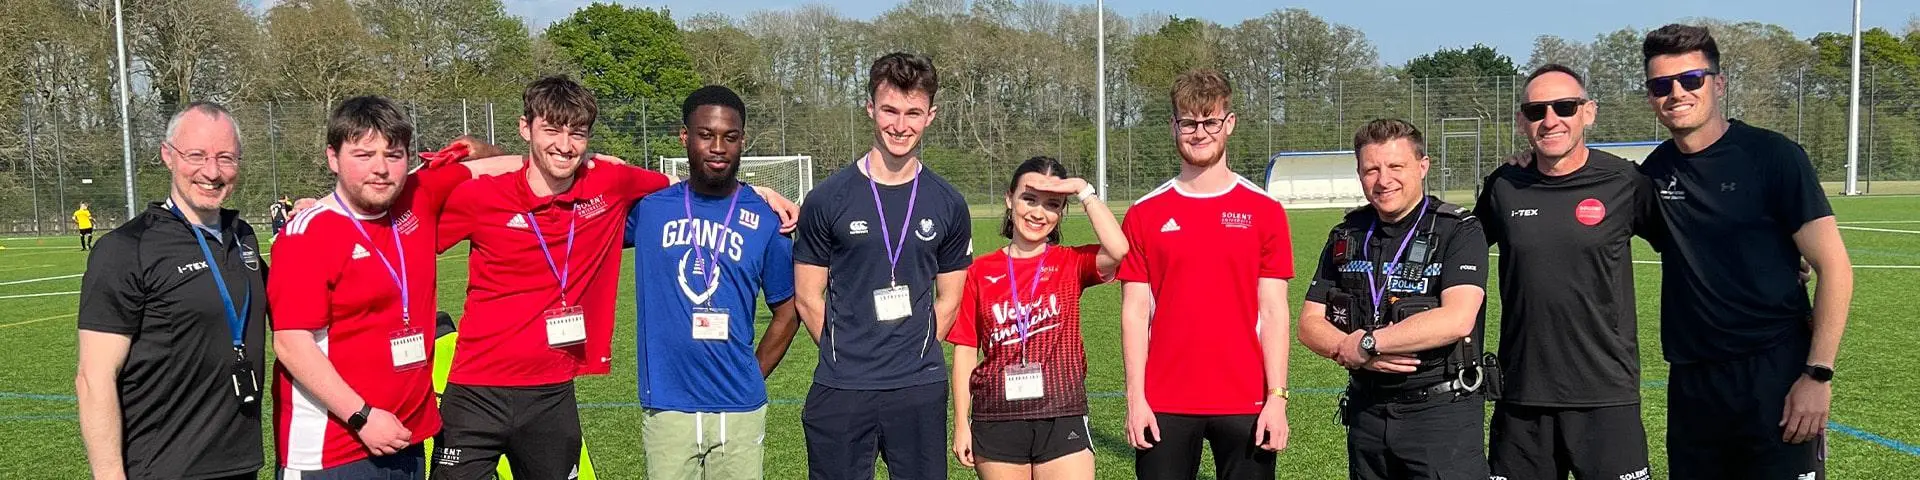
1017 79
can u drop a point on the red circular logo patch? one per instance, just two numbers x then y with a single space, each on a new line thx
1590 212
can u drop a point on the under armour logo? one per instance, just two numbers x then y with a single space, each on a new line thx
1727 187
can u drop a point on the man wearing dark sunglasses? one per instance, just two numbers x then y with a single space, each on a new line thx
1564 223
1748 394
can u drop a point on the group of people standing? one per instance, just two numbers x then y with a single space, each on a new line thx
879 268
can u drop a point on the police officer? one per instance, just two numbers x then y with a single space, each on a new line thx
1397 301
172 309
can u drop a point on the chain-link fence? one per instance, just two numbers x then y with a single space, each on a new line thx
51 160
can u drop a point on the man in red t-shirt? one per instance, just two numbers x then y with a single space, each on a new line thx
1209 265
353 300
543 282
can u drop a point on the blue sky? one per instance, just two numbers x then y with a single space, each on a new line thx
1401 29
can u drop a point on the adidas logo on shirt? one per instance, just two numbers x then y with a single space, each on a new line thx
1171 226
519 222
359 252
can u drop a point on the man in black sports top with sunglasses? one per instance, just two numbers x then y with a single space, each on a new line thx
1749 394
1564 224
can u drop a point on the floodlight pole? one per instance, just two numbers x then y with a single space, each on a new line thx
1100 95
1853 112
126 124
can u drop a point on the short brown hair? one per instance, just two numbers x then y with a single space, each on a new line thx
561 101
1383 130
1198 91
904 71
1676 39
359 116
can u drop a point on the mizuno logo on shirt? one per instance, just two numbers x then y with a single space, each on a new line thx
1171 226
359 252
995 278
519 222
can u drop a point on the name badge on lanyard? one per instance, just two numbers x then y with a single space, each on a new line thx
710 323
896 301
893 303
406 345
1025 380
567 325
409 348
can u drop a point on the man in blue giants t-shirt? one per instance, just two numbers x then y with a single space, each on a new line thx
882 249
705 399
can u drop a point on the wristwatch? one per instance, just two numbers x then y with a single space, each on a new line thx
1282 392
1367 345
1087 192
359 419
1820 373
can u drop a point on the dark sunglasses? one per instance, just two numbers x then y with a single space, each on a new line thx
1565 107
1690 80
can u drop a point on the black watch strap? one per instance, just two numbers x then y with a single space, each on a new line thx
359 419
1367 345
1820 373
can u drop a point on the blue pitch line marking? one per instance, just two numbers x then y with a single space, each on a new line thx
1896 445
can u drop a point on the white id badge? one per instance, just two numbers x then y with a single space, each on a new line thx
565 326
892 303
409 348
710 324
1025 381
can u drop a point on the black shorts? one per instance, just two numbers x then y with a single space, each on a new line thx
1177 454
1550 442
1031 441
906 426
1723 418
86 231
1438 437
537 428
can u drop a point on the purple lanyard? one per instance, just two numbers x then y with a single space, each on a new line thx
893 248
1022 317
551 266
400 277
1381 267
713 261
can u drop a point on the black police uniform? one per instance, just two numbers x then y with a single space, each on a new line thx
1569 348
1430 423
1734 316
149 280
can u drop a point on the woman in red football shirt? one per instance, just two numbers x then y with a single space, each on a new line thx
1019 367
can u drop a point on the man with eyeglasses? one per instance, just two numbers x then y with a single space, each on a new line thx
1748 393
1209 266
173 307
1564 223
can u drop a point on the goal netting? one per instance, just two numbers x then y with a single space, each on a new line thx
790 175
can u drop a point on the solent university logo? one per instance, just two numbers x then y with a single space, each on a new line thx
926 232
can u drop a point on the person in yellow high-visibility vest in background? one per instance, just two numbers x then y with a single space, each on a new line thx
83 220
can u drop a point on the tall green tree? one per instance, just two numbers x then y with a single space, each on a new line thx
635 62
1476 61
1179 45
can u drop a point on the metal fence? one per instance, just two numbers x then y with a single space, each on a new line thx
52 160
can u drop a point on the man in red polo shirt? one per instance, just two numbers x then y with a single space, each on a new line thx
353 302
543 279
1210 262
